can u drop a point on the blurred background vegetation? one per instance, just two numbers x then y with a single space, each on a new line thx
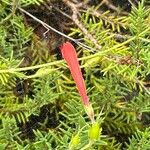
40 107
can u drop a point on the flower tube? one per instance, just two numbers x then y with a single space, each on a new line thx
70 56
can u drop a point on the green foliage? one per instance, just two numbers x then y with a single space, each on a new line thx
140 140
23 2
40 107
29 2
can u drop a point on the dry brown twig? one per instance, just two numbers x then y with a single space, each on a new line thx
48 27
74 7
114 8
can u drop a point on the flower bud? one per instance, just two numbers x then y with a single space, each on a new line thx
94 131
75 141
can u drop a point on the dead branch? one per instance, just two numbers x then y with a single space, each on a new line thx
74 8
48 27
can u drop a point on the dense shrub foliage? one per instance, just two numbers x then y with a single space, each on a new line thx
40 107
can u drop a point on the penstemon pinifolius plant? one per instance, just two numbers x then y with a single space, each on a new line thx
40 107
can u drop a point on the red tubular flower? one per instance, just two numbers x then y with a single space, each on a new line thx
70 55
